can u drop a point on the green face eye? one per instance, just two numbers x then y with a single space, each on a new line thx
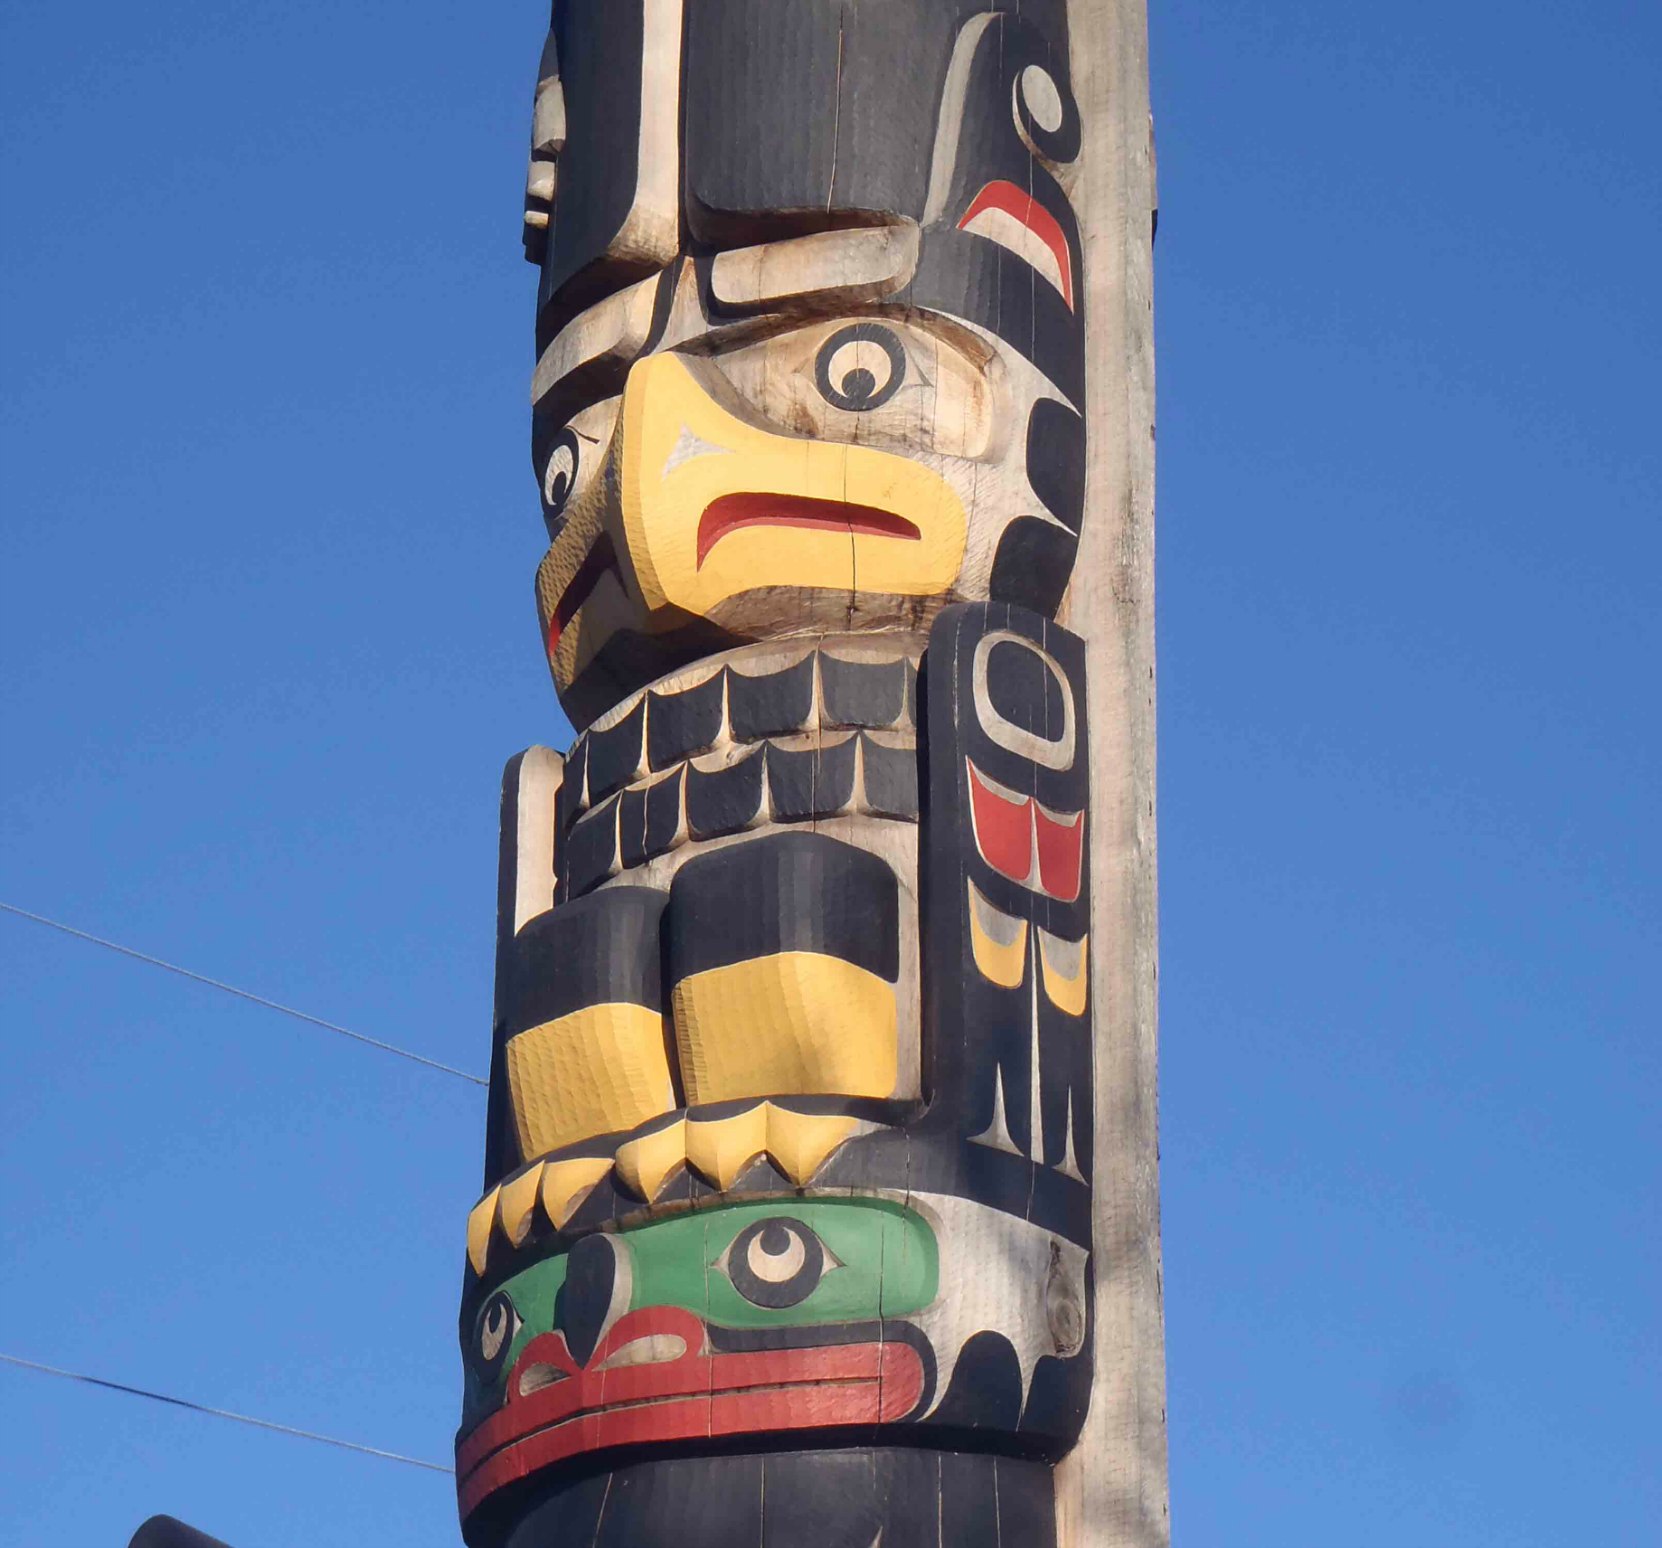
740 1266
777 1262
494 1333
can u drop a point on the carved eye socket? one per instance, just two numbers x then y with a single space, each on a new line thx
777 1263
561 472
1036 92
1046 117
860 367
498 1323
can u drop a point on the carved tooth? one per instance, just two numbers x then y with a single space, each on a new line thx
644 1165
721 1148
516 1201
565 1184
479 1222
799 1143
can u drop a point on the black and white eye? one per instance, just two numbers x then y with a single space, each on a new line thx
777 1262
498 1323
1046 116
1036 93
560 473
860 367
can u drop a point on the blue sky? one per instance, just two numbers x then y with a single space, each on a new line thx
265 614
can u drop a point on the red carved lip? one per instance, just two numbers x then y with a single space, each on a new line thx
569 1409
729 512
600 560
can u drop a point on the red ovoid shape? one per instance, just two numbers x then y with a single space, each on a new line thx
1035 847
651 1379
1013 218
729 512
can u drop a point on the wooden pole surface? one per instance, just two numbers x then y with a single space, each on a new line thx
1112 1489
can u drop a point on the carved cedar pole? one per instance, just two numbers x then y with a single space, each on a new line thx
819 1201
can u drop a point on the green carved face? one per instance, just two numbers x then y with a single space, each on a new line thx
778 1264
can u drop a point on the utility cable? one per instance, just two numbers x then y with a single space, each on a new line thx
223 1413
242 994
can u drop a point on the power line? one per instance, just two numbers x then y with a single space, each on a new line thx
242 994
222 1413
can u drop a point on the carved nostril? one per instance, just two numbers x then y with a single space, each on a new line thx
534 1378
654 1349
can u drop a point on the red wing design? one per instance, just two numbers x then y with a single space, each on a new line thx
1036 848
1060 840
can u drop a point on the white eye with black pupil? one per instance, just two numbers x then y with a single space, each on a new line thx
777 1262
774 1264
860 367
560 473
498 1323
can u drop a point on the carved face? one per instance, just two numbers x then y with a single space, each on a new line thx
870 414
760 1318
716 1322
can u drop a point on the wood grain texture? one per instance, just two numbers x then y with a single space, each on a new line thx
1112 1490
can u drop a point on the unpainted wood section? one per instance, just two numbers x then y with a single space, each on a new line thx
1112 1489
540 773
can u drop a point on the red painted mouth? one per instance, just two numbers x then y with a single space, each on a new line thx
730 512
650 1379
600 560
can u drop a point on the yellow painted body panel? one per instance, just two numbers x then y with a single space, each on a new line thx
598 1070
795 1022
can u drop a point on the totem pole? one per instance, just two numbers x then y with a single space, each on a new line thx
819 1204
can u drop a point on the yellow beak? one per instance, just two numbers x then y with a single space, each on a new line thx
714 506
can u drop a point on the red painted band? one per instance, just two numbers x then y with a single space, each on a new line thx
693 1395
